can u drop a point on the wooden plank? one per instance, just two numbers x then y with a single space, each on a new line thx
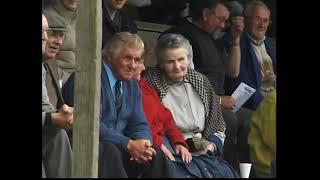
87 89
154 27
150 32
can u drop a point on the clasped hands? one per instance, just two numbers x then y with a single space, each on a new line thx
64 117
141 150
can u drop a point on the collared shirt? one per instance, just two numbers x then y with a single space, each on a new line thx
256 42
112 78
265 61
186 107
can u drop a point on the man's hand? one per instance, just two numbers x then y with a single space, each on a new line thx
167 152
141 150
68 111
183 151
228 102
237 26
62 120
212 147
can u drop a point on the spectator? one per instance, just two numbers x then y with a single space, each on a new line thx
56 35
161 122
115 20
65 9
194 105
56 149
262 137
204 30
125 148
257 68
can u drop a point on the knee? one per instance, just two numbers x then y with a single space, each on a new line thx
62 136
231 123
108 147
107 150
159 154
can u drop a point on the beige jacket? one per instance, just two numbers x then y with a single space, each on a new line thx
66 57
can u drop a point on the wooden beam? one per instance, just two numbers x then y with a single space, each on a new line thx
87 89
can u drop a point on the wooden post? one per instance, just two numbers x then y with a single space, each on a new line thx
87 89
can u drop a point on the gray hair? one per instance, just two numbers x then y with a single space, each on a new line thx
251 5
172 41
121 41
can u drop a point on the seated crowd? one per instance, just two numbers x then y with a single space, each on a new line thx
174 120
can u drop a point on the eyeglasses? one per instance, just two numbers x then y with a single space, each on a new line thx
220 18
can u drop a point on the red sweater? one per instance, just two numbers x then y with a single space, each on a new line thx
159 117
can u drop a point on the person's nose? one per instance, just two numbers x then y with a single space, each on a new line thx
58 40
222 25
133 64
176 65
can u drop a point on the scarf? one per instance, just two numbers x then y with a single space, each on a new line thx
214 122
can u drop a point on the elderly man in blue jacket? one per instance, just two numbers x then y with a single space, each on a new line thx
257 65
125 147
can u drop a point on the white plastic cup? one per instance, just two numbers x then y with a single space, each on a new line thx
245 170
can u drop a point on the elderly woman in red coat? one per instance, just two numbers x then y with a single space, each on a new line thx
165 90
161 121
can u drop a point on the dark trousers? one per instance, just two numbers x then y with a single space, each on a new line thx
114 162
236 147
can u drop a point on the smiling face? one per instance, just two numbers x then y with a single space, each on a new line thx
258 22
175 63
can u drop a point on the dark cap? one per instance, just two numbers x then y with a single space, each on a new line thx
57 23
235 8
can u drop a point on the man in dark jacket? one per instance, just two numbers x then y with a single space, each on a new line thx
115 20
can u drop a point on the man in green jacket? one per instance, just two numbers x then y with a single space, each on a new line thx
56 149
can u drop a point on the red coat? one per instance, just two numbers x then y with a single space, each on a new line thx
159 117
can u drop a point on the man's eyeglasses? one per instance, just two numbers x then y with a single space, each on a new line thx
220 18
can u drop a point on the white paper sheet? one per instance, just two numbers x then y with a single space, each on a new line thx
242 94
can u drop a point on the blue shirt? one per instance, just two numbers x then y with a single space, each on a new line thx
112 78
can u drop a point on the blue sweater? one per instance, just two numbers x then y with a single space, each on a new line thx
131 122
250 70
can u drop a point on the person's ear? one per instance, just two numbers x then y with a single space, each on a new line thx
188 62
205 14
109 57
